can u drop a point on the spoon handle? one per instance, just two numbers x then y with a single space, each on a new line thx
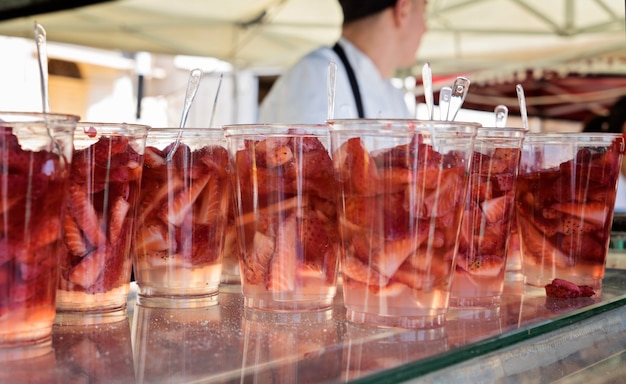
444 102
42 58
331 86
427 80
459 92
522 105
501 112
217 93
190 94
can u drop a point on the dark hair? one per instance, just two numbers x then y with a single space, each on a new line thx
617 115
358 9
597 124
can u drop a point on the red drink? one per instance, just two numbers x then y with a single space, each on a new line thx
565 198
487 221
33 184
182 217
400 213
100 220
285 214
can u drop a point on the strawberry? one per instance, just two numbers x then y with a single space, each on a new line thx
583 246
357 168
355 269
497 209
363 211
212 204
503 182
448 195
480 188
107 147
572 225
278 156
394 254
153 157
564 289
314 239
154 195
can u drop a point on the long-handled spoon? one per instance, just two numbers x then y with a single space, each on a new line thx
444 102
459 92
427 80
42 58
501 113
190 95
522 105
330 87
217 93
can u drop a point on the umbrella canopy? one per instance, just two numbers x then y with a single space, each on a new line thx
490 41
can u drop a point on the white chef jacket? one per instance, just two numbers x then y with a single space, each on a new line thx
300 95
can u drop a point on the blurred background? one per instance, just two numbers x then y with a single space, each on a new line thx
129 60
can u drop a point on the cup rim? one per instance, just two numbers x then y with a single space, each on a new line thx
39 117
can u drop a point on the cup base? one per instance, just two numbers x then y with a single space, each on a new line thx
268 303
90 318
26 351
410 322
177 301
475 302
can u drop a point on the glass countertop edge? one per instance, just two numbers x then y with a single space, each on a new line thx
457 355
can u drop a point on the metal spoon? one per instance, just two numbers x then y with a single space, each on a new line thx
522 105
501 112
459 92
190 94
444 102
427 80
331 85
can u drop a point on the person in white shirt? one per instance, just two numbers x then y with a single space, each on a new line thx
378 37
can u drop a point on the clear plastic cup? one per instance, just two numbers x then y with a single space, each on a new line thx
100 220
488 218
35 156
402 192
565 197
185 194
285 214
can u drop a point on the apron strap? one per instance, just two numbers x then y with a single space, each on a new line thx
353 83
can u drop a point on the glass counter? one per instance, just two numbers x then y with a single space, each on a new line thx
529 338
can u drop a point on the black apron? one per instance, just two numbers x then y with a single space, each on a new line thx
352 78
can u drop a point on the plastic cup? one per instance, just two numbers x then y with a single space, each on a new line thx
285 215
182 217
565 197
100 221
488 218
35 156
402 193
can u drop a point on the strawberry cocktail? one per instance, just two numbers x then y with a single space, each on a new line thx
35 156
402 191
565 198
100 218
487 220
185 194
285 215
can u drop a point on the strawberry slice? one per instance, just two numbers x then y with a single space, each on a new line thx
73 237
153 157
87 271
443 199
357 167
119 210
282 274
355 269
150 200
175 211
151 238
85 214
564 289
594 212
497 209
394 254
256 265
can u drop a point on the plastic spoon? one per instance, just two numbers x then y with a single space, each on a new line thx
331 85
522 105
42 58
444 102
459 92
217 93
501 112
427 80
190 95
